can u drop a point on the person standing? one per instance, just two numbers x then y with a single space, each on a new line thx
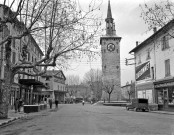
50 103
20 104
83 102
56 103
16 104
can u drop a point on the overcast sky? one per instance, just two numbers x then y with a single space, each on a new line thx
130 26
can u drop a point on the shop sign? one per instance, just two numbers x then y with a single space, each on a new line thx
167 84
143 71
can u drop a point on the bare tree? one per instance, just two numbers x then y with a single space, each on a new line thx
73 80
108 88
68 32
157 15
94 79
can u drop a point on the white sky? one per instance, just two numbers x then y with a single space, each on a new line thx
130 26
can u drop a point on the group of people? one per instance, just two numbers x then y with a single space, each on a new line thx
18 104
51 103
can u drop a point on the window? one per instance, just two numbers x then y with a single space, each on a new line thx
47 84
167 67
148 54
117 67
13 42
139 58
117 50
165 43
28 56
14 58
152 69
47 79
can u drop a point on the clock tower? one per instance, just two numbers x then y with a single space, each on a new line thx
110 50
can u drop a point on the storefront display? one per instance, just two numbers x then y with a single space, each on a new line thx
146 94
165 94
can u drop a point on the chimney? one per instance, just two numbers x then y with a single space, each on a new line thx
136 43
154 30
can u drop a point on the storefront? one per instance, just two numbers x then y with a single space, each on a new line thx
14 93
164 90
144 85
60 95
145 90
31 91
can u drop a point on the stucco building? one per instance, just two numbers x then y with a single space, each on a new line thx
55 81
24 86
128 91
154 58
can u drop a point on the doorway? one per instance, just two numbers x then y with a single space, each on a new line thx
165 98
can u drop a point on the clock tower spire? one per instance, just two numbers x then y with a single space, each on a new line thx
110 25
110 50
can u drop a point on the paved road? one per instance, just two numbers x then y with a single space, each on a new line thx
75 119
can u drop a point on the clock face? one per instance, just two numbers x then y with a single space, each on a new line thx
111 47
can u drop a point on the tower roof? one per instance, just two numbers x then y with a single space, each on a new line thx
109 13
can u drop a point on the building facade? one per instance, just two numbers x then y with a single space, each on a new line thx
128 91
77 93
55 81
21 88
110 50
154 70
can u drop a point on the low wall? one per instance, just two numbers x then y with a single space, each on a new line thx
122 104
34 108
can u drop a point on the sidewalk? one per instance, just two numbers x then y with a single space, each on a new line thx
12 116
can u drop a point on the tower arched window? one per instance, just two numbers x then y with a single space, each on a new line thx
117 50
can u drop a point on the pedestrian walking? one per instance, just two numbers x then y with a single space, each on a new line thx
20 105
50 103
56 103
83 102
16 103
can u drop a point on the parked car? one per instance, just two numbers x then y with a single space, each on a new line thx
138 104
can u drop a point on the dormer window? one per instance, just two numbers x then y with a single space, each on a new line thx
164 42
148 54
139 58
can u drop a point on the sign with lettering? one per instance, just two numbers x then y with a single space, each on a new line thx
166 84
143 71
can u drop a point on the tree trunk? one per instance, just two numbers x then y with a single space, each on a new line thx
109 97
5 88
5 84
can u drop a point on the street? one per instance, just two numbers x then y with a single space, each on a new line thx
75 119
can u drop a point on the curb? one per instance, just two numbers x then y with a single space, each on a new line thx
10 121
162 113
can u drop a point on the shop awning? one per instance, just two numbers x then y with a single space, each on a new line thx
32 82
58 91
164 83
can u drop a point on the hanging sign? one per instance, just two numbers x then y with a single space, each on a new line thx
143 71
